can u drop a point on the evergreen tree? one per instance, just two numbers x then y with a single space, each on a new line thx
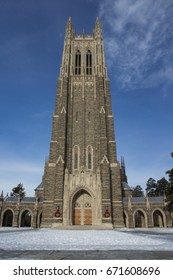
2 196
151 187
137 191
18 191
169 198
158 188
163 187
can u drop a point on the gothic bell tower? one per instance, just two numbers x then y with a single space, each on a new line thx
82 182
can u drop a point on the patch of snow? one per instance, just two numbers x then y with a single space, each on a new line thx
53 239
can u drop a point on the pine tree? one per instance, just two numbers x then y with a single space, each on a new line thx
169 198
2 196
18 191
151 187
137 191
163 187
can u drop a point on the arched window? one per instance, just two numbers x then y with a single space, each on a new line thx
78 63
89 63
89 158
76 158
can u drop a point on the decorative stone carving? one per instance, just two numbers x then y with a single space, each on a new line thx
77 86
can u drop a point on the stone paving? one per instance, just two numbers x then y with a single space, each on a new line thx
86 255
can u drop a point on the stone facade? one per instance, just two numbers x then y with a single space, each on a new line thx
20 213
82 160
83 183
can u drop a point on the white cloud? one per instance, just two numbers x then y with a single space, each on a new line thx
40 115
138 39
14 171
19 166
143 174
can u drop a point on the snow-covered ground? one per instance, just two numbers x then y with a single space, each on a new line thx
53 239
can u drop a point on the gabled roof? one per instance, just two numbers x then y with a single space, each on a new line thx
156 199
125 186
39 187
138 199
15 199
28 199
11 199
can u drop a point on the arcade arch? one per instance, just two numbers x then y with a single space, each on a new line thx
7 218
140 219
26 218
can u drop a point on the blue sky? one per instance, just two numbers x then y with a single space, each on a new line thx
138 38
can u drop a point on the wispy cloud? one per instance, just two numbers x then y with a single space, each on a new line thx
19 167
14 171
40 115
139 39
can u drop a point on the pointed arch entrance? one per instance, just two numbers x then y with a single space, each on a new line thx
7 218
82 208
158 219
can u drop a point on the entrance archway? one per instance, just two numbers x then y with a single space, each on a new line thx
139 219
7 219
158 219
82 208
26 219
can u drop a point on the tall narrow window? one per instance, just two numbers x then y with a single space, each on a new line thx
89 116
78 63
89 161
76 116
76 157
89 158
89 63
75 160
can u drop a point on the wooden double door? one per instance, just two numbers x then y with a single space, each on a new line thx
82 209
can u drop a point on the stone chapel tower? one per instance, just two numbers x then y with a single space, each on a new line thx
82 182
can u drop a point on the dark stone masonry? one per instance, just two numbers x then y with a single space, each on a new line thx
83 182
